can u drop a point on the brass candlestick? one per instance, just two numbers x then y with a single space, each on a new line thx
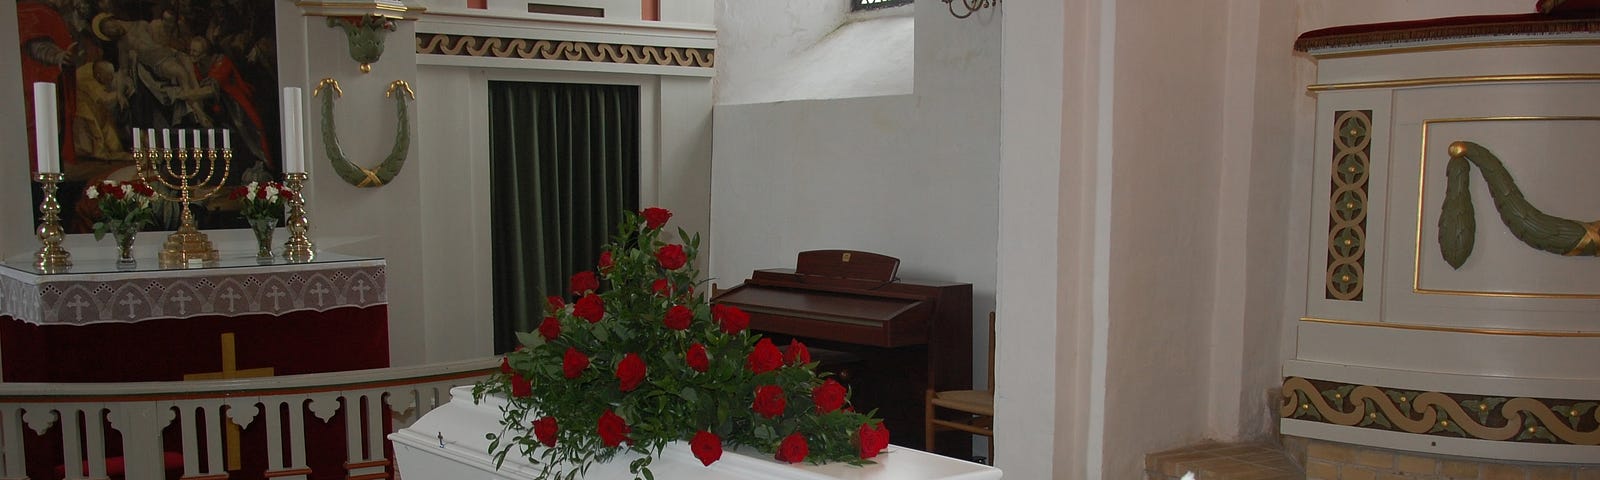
299 247
51 256
181 170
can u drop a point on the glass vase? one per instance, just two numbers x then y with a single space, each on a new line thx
124 235
263 228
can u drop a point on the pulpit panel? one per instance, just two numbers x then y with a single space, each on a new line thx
1452 304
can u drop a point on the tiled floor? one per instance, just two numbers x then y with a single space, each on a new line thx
1220 461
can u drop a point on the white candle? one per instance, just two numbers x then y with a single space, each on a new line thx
166 139
292 140
138 138
181 140
226 145
196 139
211 138
152 140
44 127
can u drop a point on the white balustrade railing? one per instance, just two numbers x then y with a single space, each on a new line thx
141 411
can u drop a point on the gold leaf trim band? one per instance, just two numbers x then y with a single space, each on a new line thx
1436 328
525 48
1521 419
1431 81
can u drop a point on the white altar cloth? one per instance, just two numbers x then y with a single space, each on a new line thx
449 443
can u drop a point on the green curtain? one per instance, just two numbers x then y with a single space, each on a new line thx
564 165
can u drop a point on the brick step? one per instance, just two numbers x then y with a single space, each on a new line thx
1223 461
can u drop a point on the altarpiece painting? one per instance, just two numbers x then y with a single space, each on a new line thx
164 64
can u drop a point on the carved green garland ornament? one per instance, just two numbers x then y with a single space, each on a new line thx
365 34
349 171
1457 226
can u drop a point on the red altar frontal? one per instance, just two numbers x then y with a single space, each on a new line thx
103 325
237 319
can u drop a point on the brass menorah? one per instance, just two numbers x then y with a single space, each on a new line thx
191 171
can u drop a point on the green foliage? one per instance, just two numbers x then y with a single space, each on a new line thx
673 401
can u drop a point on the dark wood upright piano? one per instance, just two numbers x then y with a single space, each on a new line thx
886 338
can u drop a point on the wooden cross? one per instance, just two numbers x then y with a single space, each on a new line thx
230 370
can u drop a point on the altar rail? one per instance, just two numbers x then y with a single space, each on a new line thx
140 412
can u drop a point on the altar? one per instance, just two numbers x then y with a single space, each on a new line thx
98 323
449 443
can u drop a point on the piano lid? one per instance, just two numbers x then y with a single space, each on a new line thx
872 320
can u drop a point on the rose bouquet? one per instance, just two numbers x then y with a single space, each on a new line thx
261 205
641 359
261 201
124 207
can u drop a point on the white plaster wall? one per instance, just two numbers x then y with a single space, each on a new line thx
16 202
1252 212
871 57
755 36
910 176
1164 225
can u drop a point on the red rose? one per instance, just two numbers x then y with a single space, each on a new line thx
678 317
829 396
550 328
656 217
613 430
630 371
764 358
505 364
793 449
706 446
573 363
696 358
796 354
770 401
145 190
660 287
584 281
605 262
872 440
671 257
731 318
544 429
554 303
520 387
237 193
590 308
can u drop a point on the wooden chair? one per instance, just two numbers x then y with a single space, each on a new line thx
974 409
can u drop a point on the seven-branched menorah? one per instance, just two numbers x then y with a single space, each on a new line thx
190 174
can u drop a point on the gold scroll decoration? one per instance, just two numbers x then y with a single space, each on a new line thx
355 174
1520 419
525 48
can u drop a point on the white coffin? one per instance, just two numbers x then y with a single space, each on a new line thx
463 454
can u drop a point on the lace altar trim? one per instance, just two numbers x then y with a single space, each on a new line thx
137 298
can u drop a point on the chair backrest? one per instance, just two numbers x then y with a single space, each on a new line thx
991 352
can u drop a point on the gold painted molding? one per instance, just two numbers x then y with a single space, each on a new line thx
1438 328
1433 81
1481 417
1559 42
1422 185
527 48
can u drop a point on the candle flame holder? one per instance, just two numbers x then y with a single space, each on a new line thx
192 173
51 257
